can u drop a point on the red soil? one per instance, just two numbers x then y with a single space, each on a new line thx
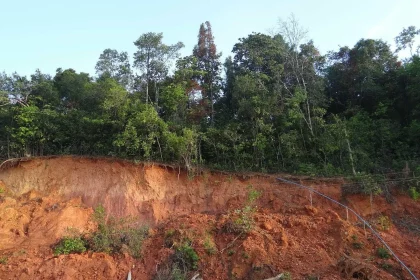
44 197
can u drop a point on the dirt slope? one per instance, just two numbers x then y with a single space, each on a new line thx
44 197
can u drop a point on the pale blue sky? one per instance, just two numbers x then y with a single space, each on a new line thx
49 34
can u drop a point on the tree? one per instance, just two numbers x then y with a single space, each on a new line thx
16 88
209 63
359 77
153 57
302 60
406 39
115 65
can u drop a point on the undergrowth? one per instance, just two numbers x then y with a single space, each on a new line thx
383 253
242 220
181 264
70 245
414 194
113 235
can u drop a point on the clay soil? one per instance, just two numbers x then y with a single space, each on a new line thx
42 198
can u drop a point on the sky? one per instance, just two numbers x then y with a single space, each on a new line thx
72 34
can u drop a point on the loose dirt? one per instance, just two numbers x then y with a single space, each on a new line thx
42 198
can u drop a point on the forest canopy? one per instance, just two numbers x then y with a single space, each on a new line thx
277 104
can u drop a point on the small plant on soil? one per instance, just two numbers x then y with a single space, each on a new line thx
116 235
386 266
209 246
414 194
3 260
180 265
69 245
356 244
242 220
384 223
383 253
286 276
186 257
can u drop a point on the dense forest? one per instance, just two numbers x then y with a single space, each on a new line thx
277 104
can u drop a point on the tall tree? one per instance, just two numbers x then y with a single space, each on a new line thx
153 58
406 39
209 63
302 60
112 64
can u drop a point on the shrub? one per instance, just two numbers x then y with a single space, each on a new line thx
186 257
383 253
69 245
242 220
414 194
384 222
209 246
180 264
115 234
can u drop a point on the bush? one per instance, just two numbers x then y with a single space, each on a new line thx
242 220
383 253
115 234
384 223
209 246
414 194
186 257
69 245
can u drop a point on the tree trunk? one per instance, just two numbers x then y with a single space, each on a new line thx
350 151
156 97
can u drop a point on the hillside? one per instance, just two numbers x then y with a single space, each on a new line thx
42 198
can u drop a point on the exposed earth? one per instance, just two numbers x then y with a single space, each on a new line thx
41 198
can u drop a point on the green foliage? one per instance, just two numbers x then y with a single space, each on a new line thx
282 107
70 245
242 220
387 266
115 235
186 257
383 253
414 194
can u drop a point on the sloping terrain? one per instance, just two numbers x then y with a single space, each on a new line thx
44 197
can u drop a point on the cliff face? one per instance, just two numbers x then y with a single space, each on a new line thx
43 197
